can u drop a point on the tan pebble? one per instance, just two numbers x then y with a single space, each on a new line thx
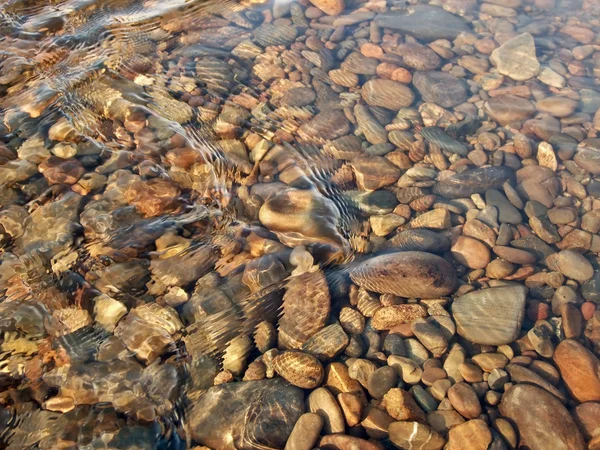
342 442
338 380
376 423
470 252
330 7
415 435
471 373
305 433
439 389
490 361
391 316
471 435
402 406
443 420
464 400
430 336
433 374
351 320
352 407
299 369
361 370
406 368
401 75
323 403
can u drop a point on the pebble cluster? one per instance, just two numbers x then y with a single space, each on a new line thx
312 224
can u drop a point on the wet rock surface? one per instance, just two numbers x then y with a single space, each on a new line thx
300 224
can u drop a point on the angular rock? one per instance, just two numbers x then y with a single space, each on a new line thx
516 58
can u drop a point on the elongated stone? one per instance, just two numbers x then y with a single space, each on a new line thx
407 274
475 181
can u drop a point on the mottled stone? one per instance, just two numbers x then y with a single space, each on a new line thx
246 415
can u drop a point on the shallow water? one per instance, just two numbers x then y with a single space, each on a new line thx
190 190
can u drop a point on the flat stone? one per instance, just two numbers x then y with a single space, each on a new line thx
588 159
391 316
507 212
520 374
587 416
247 414
471 435
464 400
571 264
508 108
306 432
387 94
441 88
557 106
580 370
415 435
329 124
548 425
514 255
430 276
301 217
402 406
490 316
470 253
330 7
344 442
322 402
424 22
516 58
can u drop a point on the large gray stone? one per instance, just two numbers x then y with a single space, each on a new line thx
516 58
246 415
424 22
490 316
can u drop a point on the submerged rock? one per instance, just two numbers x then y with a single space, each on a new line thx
246 415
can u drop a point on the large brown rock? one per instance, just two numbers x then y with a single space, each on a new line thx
490 316
508 108
406 274
246 415
580 370
541 419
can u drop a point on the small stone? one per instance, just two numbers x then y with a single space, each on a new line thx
322 402
352 406
587 416
430 336
464 400
441 88
471 435
306 432
571 264
299 369
376 423
381 381
330 7
402 406
516 58
384 225
387 94
343 442
246 414
390 316
514 255
415 435
490 361
471 253
407 369
497 379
